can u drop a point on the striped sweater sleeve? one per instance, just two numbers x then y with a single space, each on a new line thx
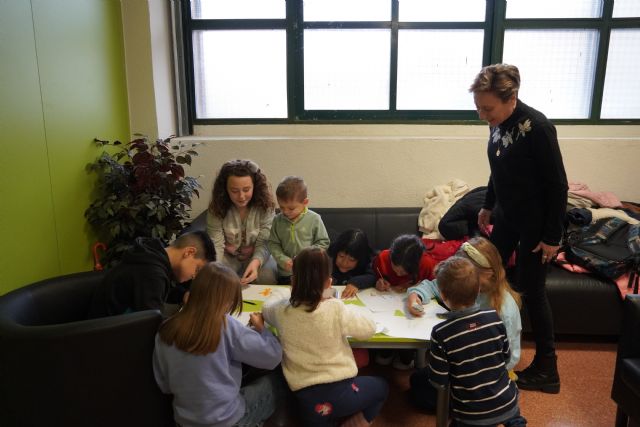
438 363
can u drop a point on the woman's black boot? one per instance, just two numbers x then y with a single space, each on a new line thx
541 375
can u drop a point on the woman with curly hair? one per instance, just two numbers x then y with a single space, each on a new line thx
239 221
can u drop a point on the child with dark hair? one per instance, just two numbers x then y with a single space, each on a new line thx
469 352
318 363
351 256
199 353
148 271
239 221
404 264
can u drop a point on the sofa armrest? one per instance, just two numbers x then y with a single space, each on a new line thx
94 372
629 345
58 369
625 387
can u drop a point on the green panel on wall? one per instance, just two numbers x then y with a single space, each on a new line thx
27 226
82 76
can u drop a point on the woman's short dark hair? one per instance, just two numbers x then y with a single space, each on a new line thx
353 242
406 251
311 270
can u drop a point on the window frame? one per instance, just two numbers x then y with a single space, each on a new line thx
494 26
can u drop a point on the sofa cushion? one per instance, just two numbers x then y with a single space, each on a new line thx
381 225
631 374
581 304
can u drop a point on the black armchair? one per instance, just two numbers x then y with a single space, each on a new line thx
59 369
626 379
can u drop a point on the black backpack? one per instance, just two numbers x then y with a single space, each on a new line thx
609 248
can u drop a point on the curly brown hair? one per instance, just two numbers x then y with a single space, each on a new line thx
220 200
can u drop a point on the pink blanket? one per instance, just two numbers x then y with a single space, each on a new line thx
606 199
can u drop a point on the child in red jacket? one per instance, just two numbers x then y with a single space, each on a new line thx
404 264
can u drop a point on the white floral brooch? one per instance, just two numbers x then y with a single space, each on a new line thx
510 136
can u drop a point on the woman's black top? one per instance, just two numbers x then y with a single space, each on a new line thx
528 181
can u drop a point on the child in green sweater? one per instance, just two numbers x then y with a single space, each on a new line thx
295 227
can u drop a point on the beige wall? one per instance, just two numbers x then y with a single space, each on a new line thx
149 66
394 165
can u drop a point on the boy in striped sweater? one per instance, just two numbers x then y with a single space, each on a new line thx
469 351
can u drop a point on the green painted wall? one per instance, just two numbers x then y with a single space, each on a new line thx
62 83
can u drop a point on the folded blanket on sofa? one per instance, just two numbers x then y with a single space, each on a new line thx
437 202
605 199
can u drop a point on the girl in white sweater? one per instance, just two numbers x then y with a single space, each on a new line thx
317 362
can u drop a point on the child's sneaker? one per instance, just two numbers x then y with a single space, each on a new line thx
384 357
401 365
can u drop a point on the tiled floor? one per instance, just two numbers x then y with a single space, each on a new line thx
586 370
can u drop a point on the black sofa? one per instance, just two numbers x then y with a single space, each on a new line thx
581 303
58 369
626 378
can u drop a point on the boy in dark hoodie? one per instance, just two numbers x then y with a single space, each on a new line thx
141 281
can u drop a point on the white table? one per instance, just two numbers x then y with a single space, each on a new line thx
399 330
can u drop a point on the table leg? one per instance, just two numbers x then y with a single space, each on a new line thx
421 358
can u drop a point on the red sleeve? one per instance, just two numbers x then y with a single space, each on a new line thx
427 267
441 250
382 265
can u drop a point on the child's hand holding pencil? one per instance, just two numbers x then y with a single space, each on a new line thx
382 284
256 321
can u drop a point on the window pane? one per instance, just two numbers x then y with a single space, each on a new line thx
240 74
450 11
436 68
346 69
560 86
347 10
554 9
626 9
238 9
621 97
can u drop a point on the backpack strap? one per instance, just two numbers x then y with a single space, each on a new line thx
633 240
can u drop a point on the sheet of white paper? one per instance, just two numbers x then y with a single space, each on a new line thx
401 327
262 292
377 301
433 309
410 327
243 317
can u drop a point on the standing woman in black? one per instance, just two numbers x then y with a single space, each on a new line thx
527 193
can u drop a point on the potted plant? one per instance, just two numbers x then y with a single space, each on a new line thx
141 190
